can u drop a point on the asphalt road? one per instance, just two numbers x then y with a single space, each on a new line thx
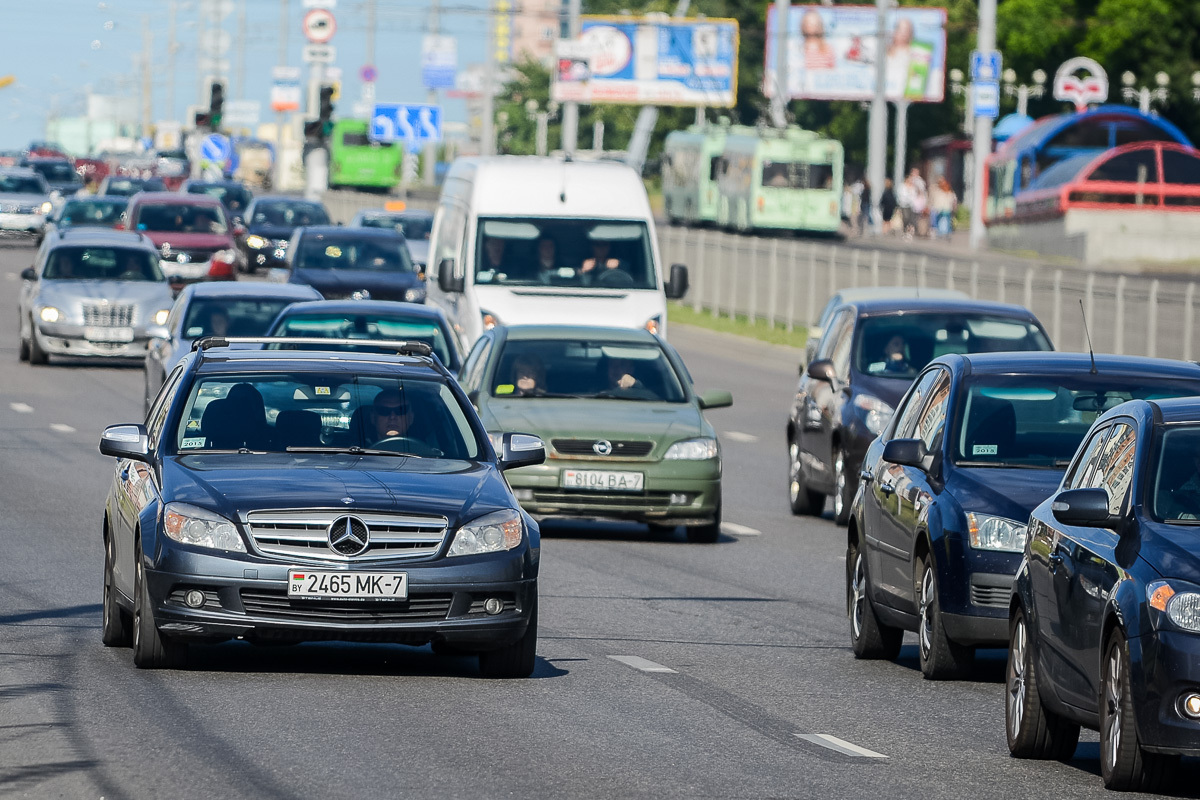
665 669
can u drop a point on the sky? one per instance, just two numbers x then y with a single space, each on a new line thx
57 49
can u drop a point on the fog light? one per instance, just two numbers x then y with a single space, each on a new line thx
523 494
493 606
194 598
1191 705
679 499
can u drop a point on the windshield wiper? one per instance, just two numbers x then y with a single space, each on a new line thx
239 451
354 450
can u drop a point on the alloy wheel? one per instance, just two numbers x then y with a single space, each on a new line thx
925 630
137 604
1016 679
858 596
839 492
794 471
1112 703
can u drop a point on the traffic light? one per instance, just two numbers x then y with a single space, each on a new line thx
216 104
325 113
203 120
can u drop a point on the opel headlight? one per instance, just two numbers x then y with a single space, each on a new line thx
996 533
692 450
415 294
1182 604
50 314
491 533
188 524
256 242
160 317
878 413
47 207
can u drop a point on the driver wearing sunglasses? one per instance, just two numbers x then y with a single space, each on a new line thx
392 414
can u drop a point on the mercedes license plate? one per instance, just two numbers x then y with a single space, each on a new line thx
600 480
98 334
342 585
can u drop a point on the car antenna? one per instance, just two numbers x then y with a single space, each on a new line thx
1091 352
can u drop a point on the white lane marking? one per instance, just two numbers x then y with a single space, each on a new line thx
21 408
839 745
738 436
61 428
642 664
733 529
11 276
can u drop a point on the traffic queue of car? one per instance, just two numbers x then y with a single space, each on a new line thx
341 452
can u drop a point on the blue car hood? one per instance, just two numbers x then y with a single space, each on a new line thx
233 484
889 390
1172 550
1009 493
271 231
349 280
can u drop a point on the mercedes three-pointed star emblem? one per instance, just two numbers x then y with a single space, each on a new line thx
348 535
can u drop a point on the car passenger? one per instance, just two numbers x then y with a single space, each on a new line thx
529 376
623 380
218 322
392 415
600 259
547 267
895 355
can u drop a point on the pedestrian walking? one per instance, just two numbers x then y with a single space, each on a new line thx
887 205
864 207
942 202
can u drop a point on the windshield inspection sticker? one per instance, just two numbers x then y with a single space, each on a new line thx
984 450
192 442
322 390
505 388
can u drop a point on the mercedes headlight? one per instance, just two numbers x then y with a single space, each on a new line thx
415 294
877 413
256 242
188 524
491 533
160 317
996 533
1182 604
692 450
47 207
50 314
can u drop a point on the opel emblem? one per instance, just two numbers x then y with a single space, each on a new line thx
602 448
348 536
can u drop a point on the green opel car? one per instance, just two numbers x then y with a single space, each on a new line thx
625 433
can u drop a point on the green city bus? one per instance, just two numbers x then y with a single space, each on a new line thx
780 179
689 173
357 162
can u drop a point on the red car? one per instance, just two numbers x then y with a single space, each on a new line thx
194 237
92 170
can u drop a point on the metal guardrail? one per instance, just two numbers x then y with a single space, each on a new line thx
788 281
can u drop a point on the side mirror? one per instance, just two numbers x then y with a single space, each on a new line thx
822 370
1085 508
905 452
521 450
28 274
677 286
716 399
447 281
125 441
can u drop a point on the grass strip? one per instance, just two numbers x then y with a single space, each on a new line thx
739 325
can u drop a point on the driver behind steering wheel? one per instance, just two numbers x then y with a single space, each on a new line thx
391 414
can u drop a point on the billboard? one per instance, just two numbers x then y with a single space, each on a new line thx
643 61
439 61
832 52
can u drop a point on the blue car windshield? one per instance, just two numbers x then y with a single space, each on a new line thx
341 251
900 346
364 326
1038 421
231 316
280 412
1175 493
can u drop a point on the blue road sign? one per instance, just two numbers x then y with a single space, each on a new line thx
414 124
216 148
985 99
985 66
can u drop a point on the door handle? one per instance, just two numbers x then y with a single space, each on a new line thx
887 488
866 476
1055 562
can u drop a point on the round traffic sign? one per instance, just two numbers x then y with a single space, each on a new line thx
368 74
319 25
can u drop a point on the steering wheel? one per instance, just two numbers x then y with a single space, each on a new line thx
615 278
407 444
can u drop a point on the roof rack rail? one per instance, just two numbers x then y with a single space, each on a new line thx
403 348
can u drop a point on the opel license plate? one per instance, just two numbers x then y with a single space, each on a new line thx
99 334
342 585
602 480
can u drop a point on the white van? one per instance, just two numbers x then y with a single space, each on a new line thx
529 240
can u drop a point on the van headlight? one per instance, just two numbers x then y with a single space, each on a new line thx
160 317
47 207
987 532
491 533
189 524
692 450
877 413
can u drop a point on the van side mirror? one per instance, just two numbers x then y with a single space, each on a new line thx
28 274
905 452
1085 508
677 286
125 441
447 281
521 450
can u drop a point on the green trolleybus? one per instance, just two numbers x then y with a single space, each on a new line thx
357 162
691 159
780 179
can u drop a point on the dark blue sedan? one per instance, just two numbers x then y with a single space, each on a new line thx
939 525
1105 624
355 264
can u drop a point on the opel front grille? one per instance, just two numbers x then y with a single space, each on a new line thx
108 315
588 448
304 534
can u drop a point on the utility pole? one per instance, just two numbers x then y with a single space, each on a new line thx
901 152
487 129
779 95
172 46
985 43
877 123
570 111
429 176
147 85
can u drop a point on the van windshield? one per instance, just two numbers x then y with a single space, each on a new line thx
540 251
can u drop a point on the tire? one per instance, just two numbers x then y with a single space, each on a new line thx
706 534
1032 730
36 354
115 630
22 346
151 650
1124 765
516 660
869 638
803 501
660 531
843 489
940 658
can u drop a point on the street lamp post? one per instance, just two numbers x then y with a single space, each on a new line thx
1024 91
1144 96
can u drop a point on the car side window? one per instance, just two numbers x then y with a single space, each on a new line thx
162 405
1086 462
932 422
837 330
1114 466
907 417
473 369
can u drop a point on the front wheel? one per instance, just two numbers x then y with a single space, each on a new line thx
708 533
517 659
843 489
151 650
1124 765
1032 730
940 658
36 354
114 625
802 500
869 638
